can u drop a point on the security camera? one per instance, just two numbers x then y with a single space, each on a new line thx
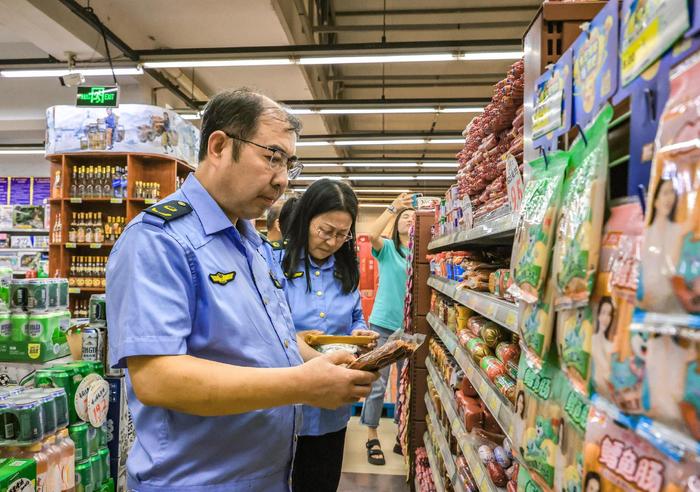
72 79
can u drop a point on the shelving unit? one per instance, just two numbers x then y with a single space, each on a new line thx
437 479
497 310
139 167
497 404
444 446
496 231
19 230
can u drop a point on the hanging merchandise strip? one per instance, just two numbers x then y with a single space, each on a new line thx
441 438
500 408
408 301
464 439
434 468
502 312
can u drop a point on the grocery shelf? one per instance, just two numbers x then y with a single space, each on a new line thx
497 404
24 250
491 231
502 312
444 445
434 469
105 244
78 290
77 199
16 230
459 431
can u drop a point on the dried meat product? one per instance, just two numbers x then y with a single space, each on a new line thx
383 356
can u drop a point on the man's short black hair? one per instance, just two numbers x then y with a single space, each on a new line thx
238 112
272 215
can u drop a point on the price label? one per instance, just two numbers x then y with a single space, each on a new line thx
73 290
95 245
490 310
514 183
477 471
494 403
76 200
149 201
71 245
116 200
483 387
511 319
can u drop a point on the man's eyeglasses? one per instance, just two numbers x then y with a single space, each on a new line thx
327 236
279 159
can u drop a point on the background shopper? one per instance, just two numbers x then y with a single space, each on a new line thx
321 266
387 313
197 313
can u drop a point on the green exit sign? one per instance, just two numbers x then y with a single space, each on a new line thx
97 96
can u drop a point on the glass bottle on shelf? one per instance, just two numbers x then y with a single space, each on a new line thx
89 185
107 182
88 227
88 271
73 230
80 192
98 182
80 237
98 232
124 180
56 191
79 280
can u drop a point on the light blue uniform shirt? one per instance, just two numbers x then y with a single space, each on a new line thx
326 308
162 301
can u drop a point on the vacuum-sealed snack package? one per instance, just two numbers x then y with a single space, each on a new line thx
397 346
569 475
574 335
670 276
537 420
618 460
536 229
536 323
580 222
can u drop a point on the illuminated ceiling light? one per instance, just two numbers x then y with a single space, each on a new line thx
62 72
251 62
492 55
461 110
380 164
22 152
388 110
319 143
348 59
446 140
391 141
403 141
369 190
439 164
381 177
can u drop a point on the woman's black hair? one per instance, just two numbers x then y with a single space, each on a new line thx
395 236
322 196
286 214
606 300
672 214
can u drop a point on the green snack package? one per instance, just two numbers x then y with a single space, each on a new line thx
574 341
536 323
525 481
17 474
535 233
580 223
569 475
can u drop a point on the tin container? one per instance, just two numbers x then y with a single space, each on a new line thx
38 295
48 408
63 320
93 344
104 456
5 281
61 401
19 294
79 436
53 286
98 309
93 437
18 327
62 293
5 327
24 420
84 480
67 380
40 327
97 473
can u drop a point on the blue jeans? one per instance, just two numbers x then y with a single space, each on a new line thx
374 403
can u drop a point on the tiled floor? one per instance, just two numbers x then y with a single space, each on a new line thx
358 474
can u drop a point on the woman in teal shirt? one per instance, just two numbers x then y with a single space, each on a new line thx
320 263
387 313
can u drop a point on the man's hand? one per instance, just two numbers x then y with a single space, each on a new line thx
327 384
367 333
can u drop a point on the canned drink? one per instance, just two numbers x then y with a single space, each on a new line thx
104 436
79 435
63 320
98 309
10 390
53 285
97 473
108 486
5 281
40 327
18 327
62 293
19 294
93 343
4 410
58 378
24 420
48 408
5 326
104 456
38 294
93 436
61 401
84 480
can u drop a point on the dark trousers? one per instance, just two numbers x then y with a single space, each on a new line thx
318 462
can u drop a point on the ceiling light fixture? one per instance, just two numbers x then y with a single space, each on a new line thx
242 62
391 141
22 152
369 190
381 177
387 110
62 72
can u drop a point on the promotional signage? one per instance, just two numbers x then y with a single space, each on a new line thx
97 96
596 64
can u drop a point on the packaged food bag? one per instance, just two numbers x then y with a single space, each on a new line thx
536 323
618 460
574 336
618 354
398 346
569 475
537 421
534 235
580 222
670 274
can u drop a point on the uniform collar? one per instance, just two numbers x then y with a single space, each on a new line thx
211 215
330 262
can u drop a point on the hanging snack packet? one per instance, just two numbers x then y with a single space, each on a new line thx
536 323
618 460
670 277
525 481
534 235
537 421
575 258
570 460
618 354
574 335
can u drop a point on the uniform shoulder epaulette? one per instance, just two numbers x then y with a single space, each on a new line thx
169 210
264 238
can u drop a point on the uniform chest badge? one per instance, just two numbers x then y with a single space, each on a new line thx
275 282
222 278
295 275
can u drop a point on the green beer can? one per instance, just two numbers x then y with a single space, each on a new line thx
19 294
97 474
84 480
38 294
98 309
5 326
5 281
79 435
53 286
18 327
93 435
104 456
24 421
40 327
62 293
48 408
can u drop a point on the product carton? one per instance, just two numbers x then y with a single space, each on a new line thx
18 474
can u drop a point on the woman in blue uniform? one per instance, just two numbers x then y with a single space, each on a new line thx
320 263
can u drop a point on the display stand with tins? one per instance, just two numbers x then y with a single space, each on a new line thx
94 195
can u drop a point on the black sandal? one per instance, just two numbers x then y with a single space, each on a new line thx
397 447
375 456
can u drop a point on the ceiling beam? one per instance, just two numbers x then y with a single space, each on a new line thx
460 26
438 11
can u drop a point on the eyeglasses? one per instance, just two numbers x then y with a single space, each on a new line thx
278 160
327 236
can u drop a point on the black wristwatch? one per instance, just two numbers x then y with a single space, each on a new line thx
391 209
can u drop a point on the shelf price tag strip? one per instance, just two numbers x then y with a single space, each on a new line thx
502 312
433 462
443 444
499 226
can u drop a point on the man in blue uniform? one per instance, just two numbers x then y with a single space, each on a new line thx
197 313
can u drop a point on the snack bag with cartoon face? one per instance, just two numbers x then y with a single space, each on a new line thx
537 422
536 323
579 229
574 334
534 235
618 460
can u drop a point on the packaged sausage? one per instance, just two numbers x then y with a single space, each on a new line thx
580 223
617 459
536 323
508 352
492 334
534 236
398 346
478 349
492 367
506 386
670 277
574 336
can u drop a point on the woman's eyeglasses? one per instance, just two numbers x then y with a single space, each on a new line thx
327 235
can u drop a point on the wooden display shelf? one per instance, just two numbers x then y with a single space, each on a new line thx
159 169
